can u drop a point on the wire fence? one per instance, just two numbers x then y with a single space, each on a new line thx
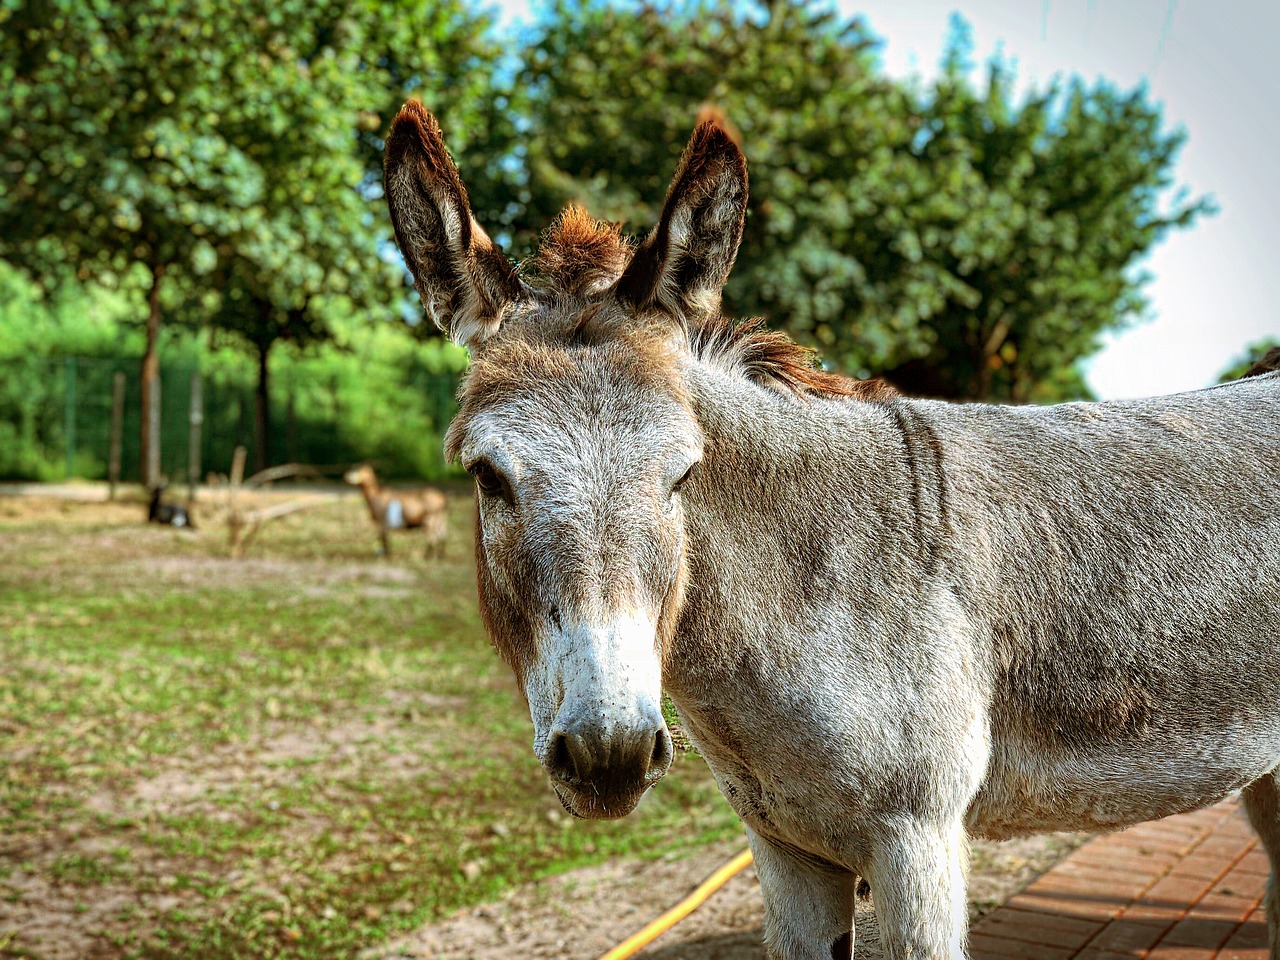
56 420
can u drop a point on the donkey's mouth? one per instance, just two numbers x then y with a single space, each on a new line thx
586 803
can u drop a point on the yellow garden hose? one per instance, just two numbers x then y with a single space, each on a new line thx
641 939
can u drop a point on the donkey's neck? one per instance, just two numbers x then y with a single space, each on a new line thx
800 515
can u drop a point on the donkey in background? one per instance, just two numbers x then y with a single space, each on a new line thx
886 623
402 510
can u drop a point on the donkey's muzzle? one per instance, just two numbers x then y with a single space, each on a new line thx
602 773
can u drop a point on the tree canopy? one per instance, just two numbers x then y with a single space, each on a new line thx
967 243
218 162
222 145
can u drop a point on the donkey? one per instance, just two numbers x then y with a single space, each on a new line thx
888 624
398 510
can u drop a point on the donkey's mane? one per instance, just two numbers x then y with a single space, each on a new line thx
580 258
771 359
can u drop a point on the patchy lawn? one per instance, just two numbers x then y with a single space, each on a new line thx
303 753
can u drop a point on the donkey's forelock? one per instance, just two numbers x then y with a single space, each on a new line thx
470 289
578 256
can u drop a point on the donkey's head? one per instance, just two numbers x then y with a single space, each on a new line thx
577 426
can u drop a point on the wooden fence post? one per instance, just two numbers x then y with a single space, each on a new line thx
195 423
69 414
235 520
117 431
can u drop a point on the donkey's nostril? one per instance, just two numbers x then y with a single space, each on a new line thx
616 761
660 759
560 760
570 757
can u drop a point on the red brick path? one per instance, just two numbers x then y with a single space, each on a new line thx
1185 888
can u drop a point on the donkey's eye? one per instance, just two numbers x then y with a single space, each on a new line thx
679 484
488 479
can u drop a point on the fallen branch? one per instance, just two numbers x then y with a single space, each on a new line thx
243 526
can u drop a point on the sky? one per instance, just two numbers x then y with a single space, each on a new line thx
1212 65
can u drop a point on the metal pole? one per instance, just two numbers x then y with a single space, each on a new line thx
152 466
196 421
117 431
70 415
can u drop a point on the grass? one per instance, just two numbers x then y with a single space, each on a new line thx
298 754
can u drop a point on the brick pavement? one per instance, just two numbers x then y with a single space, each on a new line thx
1184 888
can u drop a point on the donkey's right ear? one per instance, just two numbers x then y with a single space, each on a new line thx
683 264
464 280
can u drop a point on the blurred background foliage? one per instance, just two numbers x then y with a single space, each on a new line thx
197 184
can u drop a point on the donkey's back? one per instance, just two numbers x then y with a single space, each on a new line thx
1121 561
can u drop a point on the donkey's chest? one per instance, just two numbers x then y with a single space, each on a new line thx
821 784
798 808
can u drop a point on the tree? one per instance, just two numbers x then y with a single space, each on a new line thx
968 245
1253 354
115 167
335 81
122 168
179 145
310 109
453 61
38 330
1050 206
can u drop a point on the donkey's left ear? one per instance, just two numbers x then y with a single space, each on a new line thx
464 280
682 266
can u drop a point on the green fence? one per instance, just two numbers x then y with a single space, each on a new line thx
56 419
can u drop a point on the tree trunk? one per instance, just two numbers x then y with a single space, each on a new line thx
148 454
262 409
986 368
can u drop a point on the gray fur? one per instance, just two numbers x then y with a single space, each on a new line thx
1027 619
886 625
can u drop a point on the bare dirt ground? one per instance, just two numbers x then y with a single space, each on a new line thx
581 914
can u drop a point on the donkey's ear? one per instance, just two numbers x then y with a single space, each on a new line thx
464 280
683 264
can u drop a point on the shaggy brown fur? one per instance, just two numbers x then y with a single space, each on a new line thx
579 255
585 269
710 113
772 359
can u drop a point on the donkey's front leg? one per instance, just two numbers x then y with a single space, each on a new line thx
917 875
808 907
